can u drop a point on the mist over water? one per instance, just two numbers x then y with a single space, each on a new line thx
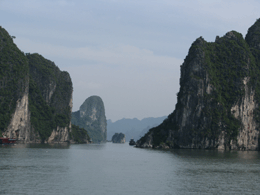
121 169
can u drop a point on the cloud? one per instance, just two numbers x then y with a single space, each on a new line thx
217 13
127 51
55 10
126 77
126 91
122 55
88 85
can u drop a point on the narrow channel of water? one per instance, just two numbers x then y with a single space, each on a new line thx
119 169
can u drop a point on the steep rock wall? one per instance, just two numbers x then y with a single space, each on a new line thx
219 95
247 138
14 90
35 96
91 117
50 99
19 126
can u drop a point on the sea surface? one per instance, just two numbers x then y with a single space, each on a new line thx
119 169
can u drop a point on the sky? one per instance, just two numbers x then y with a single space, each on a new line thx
128 52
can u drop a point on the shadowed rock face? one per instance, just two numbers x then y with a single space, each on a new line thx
217 104
118 138
91 116
35 96
14 87
52 89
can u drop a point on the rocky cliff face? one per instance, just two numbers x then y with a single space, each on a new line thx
14 87
35 96
50 100
91 117
218 101
118 138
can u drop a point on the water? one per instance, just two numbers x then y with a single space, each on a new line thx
119 169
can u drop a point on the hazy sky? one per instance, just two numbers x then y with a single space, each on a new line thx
128 52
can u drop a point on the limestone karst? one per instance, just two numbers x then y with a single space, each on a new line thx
219 96
91 116
35 96
118 138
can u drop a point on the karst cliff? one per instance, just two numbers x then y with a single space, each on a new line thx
35 96
91 116
218 101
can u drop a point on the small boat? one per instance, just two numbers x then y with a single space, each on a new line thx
132 142
6 140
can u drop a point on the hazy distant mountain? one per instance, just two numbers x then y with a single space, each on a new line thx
132 128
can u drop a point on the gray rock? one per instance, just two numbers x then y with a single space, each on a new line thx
91 117
118 138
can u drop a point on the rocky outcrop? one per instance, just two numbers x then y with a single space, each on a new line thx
35 96
52 89
79 135
91 116
20 126
118 138
14 88
218 101
59 134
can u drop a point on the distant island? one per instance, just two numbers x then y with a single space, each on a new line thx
118 138
132 128
91 116
218 101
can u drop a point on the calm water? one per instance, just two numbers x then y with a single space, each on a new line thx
118 169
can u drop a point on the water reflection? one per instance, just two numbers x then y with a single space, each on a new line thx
33 145
216 171
248 154
193 153
55 146
101 146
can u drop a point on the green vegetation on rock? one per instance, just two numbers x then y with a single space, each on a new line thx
226 62
214 78
42 115
13 77
49 91
79 135
47 80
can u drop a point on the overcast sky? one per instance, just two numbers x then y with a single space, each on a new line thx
128 52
